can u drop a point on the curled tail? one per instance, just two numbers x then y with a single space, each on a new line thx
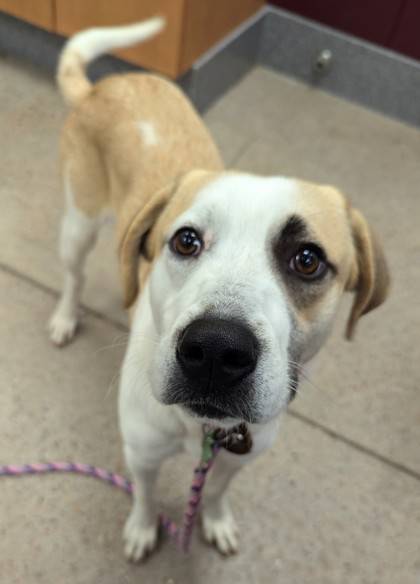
85 46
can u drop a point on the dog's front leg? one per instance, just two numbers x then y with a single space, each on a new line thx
219 526
141 527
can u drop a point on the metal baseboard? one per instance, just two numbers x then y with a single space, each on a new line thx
379 79
349 67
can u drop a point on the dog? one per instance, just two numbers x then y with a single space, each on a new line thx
231 280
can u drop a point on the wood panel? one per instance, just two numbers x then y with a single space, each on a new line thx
38 12
208 21
161 53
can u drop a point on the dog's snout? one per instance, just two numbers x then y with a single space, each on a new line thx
217 353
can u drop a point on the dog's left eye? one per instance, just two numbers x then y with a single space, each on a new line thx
186 242
308 262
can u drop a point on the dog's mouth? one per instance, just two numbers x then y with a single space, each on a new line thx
226 414
203 410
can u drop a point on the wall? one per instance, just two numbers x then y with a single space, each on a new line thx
394 24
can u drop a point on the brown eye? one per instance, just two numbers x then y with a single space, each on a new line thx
308 262
186 242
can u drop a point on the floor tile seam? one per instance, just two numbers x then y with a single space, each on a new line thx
17 274
243 149
363 449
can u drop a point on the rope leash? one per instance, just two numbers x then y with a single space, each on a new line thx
181 535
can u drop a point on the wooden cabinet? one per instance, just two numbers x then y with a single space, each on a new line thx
38 12
206 22
193 26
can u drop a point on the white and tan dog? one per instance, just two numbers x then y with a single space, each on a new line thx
232 279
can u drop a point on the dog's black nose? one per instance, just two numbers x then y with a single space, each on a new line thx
216 353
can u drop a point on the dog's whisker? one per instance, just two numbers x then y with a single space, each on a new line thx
131 383
296 363
113 385
322 391
244 407
119 341
125 343
147 338
109 347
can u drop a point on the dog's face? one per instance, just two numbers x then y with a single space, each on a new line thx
243 277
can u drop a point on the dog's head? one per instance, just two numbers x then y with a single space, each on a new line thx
240 278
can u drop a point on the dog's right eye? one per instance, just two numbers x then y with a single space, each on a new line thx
309 262
186 242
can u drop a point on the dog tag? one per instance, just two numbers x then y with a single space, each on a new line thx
238 440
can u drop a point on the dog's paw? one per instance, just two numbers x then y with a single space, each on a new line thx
222 532
62 329
139 541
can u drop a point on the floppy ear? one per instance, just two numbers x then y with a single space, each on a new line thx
135 221
134 224
370 276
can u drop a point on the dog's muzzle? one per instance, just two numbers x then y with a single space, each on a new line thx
216 358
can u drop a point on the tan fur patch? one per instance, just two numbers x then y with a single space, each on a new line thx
350 246
325 210
102 144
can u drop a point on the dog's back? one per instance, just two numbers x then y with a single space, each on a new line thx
126 133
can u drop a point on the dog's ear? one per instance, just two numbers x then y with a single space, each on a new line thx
136 221
369 278
134 224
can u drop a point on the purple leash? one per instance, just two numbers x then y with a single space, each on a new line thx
181 535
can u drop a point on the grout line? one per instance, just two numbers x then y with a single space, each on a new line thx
55 294
247 144
357 446
304 419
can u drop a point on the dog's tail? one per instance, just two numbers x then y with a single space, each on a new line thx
85 46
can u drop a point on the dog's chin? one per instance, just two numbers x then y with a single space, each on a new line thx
208 413
212 415
211 409
220 411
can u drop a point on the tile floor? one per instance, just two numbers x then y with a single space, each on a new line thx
338 499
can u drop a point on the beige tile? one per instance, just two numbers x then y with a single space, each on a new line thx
267 104
231 141
312 511
246 105
368 388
